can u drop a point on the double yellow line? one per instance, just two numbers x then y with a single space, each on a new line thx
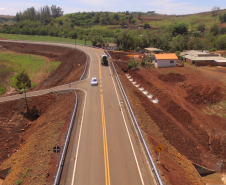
106 161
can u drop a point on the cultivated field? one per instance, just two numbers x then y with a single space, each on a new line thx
11 64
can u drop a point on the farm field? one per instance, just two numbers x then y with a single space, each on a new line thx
13 63
189 119
41 38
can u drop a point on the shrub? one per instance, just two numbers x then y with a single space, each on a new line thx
201 27
19 181
146 26
133 64
221 42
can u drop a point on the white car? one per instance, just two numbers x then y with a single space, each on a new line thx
94 81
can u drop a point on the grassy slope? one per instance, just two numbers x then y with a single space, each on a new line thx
41 38
12 64
192 19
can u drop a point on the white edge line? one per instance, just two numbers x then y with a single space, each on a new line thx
138 137
128 132
76 156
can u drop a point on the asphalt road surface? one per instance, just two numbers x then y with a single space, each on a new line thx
104 147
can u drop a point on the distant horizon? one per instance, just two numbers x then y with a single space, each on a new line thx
169 7
124 12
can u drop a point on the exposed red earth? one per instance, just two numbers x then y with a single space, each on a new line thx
189 120
27 142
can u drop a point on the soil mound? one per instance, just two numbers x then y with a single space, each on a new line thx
199 94
172 77
14 121
28 144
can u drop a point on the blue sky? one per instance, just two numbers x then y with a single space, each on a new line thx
169 7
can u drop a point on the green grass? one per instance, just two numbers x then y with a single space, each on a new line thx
42 38
53 67
25 173
19 181
2 89
13 64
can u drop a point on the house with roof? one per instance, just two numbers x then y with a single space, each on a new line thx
165 60
203 58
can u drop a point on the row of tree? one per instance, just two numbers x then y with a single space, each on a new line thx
102 18
44 14
170 39
174 37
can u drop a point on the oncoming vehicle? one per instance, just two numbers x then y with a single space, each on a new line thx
94 81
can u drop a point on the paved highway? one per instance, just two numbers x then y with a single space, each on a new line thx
104 147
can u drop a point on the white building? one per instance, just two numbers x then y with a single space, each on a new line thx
165 60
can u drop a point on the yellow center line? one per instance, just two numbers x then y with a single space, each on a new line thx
106 161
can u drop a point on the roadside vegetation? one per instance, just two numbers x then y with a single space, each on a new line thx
11 64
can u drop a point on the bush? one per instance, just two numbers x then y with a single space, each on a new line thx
223 30
133 64
2 89
215 30
19 181
213 49
146 26
201 27
221 42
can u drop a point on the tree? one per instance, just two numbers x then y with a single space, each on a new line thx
221 42
146 26
215 10
201 27
133 21
133 64
178 53
139 15
122 21
56 11
130 17
177 28
222 18
214 30
223 30
23 83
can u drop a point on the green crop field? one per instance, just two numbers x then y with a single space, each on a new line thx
42 38
12 64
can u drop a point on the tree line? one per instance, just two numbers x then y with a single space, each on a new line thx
44 14
175 37
102 18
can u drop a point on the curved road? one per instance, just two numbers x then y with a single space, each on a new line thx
104 147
